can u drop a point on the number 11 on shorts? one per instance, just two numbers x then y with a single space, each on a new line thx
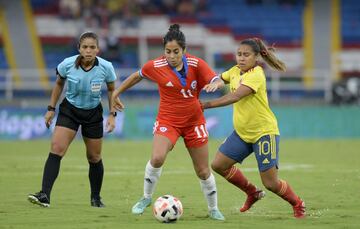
201 131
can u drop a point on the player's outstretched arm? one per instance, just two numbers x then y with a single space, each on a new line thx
216 85
128 83
229 98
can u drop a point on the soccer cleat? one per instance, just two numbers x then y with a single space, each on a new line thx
299 210
39 198
251 199
140 206
216 215
96 202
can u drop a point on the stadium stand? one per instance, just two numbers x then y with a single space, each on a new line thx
350 23
3 61
132 30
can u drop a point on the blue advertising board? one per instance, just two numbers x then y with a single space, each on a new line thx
137 122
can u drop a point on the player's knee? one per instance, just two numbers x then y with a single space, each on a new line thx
157 161
58 148
270 185
203 173
216 167
93 158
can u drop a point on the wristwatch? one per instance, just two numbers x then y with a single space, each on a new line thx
50 108
113 113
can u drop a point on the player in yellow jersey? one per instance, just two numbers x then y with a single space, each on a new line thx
255 125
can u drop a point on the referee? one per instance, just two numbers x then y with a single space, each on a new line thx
81 106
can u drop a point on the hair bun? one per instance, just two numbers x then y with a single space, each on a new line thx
174 27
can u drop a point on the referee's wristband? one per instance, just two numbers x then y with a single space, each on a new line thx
50 108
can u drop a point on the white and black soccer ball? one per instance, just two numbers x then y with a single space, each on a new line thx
167 209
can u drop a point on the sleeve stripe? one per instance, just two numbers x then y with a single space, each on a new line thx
221 77
58 74
140 73
214 78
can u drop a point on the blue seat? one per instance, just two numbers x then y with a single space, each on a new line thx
3 61
274 21
350 22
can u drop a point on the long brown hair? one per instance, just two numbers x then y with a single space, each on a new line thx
267 53
81 38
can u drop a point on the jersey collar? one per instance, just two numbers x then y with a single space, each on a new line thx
243 72
96 63
181 77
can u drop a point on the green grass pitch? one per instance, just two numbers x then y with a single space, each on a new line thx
325 173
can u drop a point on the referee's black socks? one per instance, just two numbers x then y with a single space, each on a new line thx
51 171
96 174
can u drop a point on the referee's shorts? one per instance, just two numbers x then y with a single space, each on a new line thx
91 120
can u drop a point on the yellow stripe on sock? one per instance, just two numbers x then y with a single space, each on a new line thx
36 44
283 187
231 173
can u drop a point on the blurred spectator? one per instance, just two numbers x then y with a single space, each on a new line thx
172 7
288 2
186 8
202 7
87 13
115 8
169 6
253 2
130 14
112 51
69 9
148 6
346 91
102 14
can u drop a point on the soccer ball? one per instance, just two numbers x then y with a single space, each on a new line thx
167 209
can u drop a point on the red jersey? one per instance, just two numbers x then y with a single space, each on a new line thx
179 97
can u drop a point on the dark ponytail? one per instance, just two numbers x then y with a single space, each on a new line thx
175 33
267 53
81 38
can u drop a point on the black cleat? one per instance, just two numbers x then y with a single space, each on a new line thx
39 198
96 202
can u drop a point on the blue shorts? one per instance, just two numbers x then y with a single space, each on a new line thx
266 150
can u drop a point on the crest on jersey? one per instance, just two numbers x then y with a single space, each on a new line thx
163 129
193 84
95 86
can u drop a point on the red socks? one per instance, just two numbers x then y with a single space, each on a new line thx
287 193
235 177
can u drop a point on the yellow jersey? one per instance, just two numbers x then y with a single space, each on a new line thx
252 116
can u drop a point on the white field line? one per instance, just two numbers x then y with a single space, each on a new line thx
130 170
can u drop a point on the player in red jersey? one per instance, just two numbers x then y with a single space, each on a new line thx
180 78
